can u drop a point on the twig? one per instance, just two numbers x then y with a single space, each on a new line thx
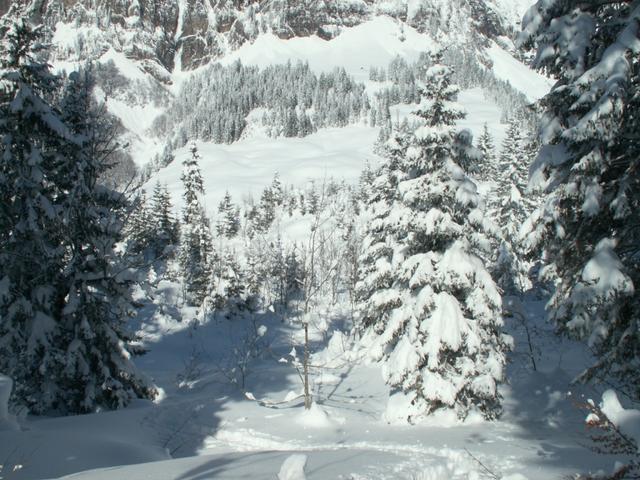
484 467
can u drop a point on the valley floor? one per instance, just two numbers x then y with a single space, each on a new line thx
204 427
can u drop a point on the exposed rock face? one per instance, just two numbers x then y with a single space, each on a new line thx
162 34
4 6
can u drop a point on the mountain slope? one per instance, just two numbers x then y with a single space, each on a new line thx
167 34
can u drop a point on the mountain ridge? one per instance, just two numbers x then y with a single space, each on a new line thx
169 35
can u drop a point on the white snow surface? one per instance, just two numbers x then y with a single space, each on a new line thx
293 468
372 43
203 427
626 419
7 421
521 77
245 167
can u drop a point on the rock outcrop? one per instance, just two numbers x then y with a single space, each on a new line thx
167 34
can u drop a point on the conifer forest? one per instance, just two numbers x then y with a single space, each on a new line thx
339 239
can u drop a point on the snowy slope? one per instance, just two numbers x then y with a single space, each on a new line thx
506 67
373 43
247 166
513 10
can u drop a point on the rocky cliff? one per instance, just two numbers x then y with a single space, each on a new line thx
167 34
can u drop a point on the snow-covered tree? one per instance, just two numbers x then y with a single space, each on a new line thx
486 145
95 370
139 227
277 190
228 223
588 166
374 289
166 230
228 293
64 297
196 253
439 339
510 206
31 256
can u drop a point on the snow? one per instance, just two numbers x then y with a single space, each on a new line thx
602 275
446 326
627 420
201 427
246 167
513 10
372 43
293 468
522 78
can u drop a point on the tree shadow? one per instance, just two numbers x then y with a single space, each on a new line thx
544 404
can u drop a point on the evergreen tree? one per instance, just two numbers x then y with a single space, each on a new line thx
510 207
294 273
312 200
95 370
374 290
588 165
277 271
468 157
439 336
63 301
166 231
228 223
196 246
277 191
31 254
365 183
229 288
266 211
487 148
140 228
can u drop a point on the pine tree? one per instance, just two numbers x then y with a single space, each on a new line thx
365 183
588 165
229 285
228 224
487 147
31 255
63 299
438 337
374 290
510 207
294 273
468 157
140 227
312 200
165 227
266 211
196 245
277 191
95 370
